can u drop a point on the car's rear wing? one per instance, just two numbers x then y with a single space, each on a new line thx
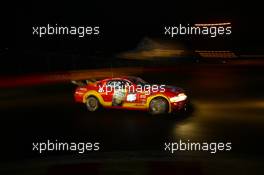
83 82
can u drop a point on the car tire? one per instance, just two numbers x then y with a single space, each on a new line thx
92 103
158 106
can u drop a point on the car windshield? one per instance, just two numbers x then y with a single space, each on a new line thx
138 81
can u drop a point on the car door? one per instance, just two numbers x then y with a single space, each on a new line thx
106 90
118 92
131 96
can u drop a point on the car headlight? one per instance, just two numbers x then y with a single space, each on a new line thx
179 97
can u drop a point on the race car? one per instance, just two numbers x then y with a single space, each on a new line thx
132 93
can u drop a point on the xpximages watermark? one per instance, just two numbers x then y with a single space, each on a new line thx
116 87
79 31
212 147
80 147
212 30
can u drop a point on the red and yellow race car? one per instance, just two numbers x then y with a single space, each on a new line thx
131 93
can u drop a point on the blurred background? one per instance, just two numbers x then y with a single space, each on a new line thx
222 76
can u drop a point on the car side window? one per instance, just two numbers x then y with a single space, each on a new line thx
118 84
126 83
111 83
114 84
123 84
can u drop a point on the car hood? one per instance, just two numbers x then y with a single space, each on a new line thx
173 89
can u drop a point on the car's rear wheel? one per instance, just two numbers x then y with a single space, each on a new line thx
158 106
92 103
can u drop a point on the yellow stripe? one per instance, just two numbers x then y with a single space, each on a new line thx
98 96
135 105
126 105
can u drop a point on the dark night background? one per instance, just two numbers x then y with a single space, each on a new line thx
122 27
36 95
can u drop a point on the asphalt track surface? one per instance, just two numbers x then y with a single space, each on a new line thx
228 106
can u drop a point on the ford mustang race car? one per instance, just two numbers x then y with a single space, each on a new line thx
130 93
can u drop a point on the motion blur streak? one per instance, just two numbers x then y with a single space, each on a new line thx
216 54
240 104
34 79
155 53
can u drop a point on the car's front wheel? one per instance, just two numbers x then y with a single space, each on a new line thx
158 106
92 103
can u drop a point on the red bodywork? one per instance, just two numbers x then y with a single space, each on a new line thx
138 100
